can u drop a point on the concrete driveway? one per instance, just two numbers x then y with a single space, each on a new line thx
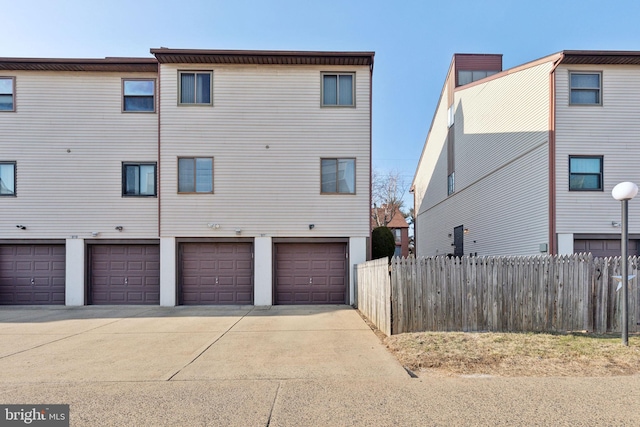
282 366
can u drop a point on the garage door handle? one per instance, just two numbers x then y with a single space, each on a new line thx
217 282
33 281
311 280
126 280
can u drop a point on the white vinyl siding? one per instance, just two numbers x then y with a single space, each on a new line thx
501 138
267 134
610 130
69 139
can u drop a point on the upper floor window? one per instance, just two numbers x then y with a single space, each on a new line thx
585 173
451 183
139 179
397 233
195 87
195 175
467 76
338 90
338 176
7 94
586 88
7 178
138 95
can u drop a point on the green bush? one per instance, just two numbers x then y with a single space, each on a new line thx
383 244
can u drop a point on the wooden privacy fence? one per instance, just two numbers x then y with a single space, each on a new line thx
374 292
518 294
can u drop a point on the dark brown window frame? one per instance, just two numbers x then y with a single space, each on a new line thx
195 174
195 104
600 91
15 177
353 89
355 176
13 94
155 97
601 174
155 179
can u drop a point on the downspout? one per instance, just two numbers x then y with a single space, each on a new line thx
369 253
552 157
158 169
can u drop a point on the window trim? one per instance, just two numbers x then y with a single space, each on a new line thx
13 94
601 174
195 104
15 177
355 176
353 89
451 183
195 175
155 85
600 91
155 179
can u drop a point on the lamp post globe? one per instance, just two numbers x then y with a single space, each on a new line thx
624 191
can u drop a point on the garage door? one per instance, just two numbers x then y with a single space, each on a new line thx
32 274
311 273
603 247
216 273
124 274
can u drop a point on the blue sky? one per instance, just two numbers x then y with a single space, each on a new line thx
413 40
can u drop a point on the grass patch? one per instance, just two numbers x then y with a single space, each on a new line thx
516 354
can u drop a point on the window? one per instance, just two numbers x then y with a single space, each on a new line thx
338 176
7 178
138 95
398 234
585 173
195 87
139 179
397 252
451 183
586 88
7 94
466 76
195 175
338 90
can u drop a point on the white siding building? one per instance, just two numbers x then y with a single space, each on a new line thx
522 161
195 177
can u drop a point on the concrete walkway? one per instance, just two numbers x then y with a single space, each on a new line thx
281 366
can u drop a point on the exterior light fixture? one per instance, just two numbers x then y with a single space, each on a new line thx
311 226
95 233
238 231
119 228
624 192
21 227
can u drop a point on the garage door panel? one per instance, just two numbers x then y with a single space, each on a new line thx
32 274
310 273
125 274
216 273
604 247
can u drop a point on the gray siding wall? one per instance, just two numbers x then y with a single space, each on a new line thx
501 172
267 133
611 130
69 139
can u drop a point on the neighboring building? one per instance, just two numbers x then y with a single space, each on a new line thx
399 227
523 161
195 177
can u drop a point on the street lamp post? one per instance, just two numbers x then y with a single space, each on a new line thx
624 192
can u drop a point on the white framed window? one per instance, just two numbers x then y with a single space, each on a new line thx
338 90
139 179
338 176
7 179
397 233
195 175
451 183
7 93
195 88
586 88
450 117
138 95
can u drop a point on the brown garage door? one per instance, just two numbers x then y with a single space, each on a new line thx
32 274
603 247
216 273
311 273
124 274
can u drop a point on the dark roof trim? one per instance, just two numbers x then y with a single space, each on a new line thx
612 57
135 65
262 57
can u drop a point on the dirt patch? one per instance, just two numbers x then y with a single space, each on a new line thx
481 354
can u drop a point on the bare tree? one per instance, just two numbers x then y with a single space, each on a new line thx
387 193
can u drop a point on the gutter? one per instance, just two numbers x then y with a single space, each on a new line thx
553 244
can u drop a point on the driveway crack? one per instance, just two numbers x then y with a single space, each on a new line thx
273 405
210 345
